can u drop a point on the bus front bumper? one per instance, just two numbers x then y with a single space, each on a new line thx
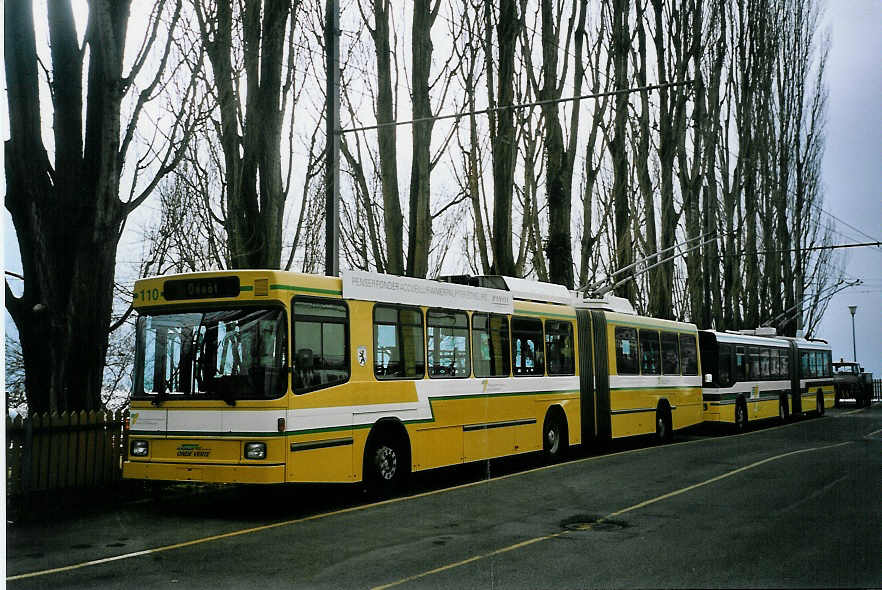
204 472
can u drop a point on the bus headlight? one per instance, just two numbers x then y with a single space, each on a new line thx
139 448
255 450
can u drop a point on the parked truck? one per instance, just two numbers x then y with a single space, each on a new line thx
850 381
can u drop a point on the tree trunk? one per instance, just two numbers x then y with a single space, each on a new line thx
642 161
420 238
503 139
250 132
393 220
559 160
68 216
621 202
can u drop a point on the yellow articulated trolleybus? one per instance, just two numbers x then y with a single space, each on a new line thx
271 377
753 377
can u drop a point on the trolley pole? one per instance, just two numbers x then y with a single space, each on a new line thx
332 127
852 309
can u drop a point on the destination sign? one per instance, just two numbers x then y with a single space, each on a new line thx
178 289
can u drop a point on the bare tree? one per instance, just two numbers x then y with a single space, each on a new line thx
252 81
502 133
393 221
621 43
66 207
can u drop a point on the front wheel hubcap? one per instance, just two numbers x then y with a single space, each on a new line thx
551 438
386 462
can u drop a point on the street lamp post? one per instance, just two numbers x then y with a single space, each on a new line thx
852 309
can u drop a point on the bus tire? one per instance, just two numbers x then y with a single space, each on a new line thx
663 429
386 463
555 439
740 416
820 403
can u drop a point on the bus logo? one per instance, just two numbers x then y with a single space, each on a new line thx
193 450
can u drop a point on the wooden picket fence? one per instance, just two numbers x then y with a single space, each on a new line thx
70 450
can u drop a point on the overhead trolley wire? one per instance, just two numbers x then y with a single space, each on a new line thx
518 106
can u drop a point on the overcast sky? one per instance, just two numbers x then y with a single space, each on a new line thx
852 174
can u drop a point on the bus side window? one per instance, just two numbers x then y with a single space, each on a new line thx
321 356
753 365
526 346
559 347
740 366
398 343
784 361
649 353
774 369
626 351
448 343
670 351
490 350
689 354
765 363
723 365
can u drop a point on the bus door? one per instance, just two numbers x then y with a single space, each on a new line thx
795 380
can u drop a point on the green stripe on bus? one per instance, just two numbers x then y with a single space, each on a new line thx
669 387
194 434
542 314
243 288
307 289
651 325
432 401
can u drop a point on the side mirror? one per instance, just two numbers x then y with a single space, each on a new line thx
708 378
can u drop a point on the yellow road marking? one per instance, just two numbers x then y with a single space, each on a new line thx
605 518
267 527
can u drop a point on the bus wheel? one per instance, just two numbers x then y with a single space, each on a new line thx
385 467
663 430
820 403
740 416
554 436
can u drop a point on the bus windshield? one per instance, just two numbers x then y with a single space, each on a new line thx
226 354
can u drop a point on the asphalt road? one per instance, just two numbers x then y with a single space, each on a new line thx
784 506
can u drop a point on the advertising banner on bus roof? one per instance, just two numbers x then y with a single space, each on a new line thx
370 286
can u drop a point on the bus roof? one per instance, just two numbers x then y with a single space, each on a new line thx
736 338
